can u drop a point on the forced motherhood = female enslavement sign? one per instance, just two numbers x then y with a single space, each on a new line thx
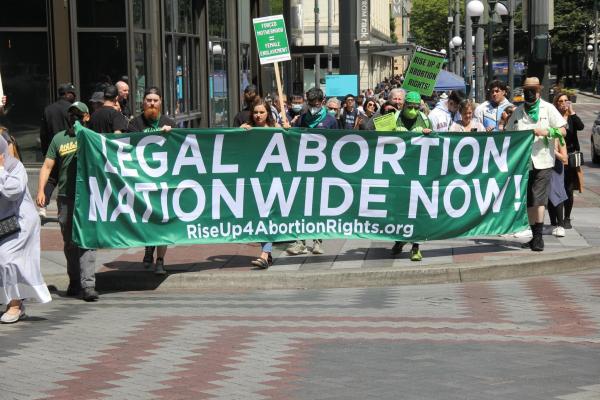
232 185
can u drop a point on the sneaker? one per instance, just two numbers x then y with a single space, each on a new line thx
548 230
318 247
415 254
148 257
42 212
559 231
537 244
568 223
397 248
159 267
524 234
298 247
89 294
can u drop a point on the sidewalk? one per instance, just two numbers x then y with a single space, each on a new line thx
346 263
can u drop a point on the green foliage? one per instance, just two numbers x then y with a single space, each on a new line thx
572 20
429 23
393 36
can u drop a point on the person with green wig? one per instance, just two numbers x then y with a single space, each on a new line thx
414 120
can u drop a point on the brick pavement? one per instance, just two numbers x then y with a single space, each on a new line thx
536 338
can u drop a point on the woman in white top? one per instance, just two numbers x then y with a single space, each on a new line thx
20 276
467 123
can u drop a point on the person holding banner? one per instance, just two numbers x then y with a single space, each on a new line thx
262 118
20 276
446 112
467 123
365 122
414 120
316 117
81 263
489 113
152 120
547 124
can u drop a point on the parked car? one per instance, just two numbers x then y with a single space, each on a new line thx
596 141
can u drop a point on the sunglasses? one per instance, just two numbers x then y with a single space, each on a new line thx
413 107
370 105
332 108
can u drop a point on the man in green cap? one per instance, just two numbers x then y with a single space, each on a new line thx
81 263
414 120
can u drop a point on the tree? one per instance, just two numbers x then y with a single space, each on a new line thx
429 23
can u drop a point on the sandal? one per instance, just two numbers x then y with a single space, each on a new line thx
261 263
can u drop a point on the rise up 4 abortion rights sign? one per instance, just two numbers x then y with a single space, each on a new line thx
231 185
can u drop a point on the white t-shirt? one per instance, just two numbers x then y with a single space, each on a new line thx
542 155
490 115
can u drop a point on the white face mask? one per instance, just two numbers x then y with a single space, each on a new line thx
314 110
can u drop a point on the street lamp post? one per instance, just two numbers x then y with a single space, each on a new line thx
456 44
475 10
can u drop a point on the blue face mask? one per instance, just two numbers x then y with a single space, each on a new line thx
315 110
296 108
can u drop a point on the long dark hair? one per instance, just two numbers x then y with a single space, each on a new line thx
260 102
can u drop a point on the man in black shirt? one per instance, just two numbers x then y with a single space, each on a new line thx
152 120
349 113
107 119
250 95
55 119
123 89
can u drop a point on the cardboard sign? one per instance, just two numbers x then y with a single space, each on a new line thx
341 85
423 71
271 39
386 122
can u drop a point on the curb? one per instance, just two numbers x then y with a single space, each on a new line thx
588 94
517 267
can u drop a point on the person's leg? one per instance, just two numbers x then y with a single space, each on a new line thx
552 213
537 198
415 253
148 259
87 266
265 260
159 267
71 251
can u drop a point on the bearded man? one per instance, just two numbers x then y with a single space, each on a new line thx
152 120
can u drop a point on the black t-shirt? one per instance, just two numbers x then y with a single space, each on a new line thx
54 119
107 120
141 124
242 117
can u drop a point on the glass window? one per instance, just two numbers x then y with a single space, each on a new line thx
102 60
245 35
101 13
184 8
218 85
139 14
181 80
216 19
26 81
168 6
23 13
140 68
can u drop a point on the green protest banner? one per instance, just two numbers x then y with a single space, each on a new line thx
271 39
385 122
423 70
232 185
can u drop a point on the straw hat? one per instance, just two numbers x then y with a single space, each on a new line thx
532 82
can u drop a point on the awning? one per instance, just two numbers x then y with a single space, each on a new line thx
449 81
392 49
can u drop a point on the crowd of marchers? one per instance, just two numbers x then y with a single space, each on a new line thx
553 174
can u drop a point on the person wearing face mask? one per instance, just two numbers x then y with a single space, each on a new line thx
333 106
316 117
446 112
81 263
489 113
412 119
296 108
547 125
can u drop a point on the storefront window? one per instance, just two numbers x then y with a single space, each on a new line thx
218 88
25 78
245 35
101 13
140 68
23 13
102 60
139 14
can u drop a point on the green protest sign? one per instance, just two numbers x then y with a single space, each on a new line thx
423 70
232 185
385 122
271 39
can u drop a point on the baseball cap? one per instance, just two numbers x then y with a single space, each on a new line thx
97 97
413 97
80 106
66 88
110 92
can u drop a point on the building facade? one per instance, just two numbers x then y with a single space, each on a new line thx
201 53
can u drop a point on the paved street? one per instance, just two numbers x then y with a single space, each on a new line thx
537 338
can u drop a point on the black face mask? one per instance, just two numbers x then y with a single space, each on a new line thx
530 95
72 119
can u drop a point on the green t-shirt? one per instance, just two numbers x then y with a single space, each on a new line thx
63 150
